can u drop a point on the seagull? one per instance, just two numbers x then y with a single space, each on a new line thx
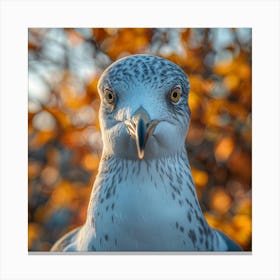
144 198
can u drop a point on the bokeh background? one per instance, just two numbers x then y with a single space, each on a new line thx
64 143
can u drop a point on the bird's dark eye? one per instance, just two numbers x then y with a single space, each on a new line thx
175 95
110 96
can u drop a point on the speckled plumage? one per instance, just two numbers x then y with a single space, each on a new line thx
144 198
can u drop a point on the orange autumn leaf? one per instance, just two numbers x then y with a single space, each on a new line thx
90 162
224 148
41 138
200 177
220 200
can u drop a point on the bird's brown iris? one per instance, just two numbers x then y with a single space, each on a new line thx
175 95
110 96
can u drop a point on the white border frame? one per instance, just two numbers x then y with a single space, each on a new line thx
17 16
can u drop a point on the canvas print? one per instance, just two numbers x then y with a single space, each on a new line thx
139 140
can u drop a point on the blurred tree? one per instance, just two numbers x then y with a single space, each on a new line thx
64 138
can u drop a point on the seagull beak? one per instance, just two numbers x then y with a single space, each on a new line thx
140 127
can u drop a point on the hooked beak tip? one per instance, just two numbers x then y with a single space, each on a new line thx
141 154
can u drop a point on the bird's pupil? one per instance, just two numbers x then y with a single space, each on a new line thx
110 96
175 94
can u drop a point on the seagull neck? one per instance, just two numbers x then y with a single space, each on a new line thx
109 161
143 195
159 171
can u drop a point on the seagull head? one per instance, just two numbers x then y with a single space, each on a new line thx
144 111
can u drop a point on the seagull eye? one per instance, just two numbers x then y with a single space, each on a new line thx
110 96
175 95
